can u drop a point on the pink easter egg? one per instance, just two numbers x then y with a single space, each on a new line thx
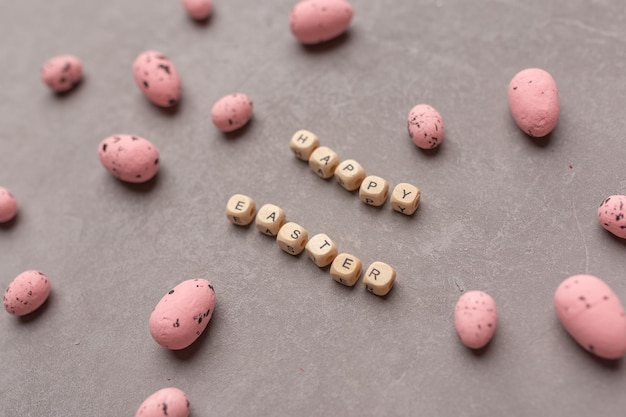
231 112
8 205
593 315
316 21
26 293
62 72
182 314
170 402
425 126
611 215
157 78
129 158
475 318
534 101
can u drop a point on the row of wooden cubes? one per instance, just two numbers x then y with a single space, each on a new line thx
293 239
373 190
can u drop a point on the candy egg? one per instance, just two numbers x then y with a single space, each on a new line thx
475 318
8 205
170 402
26 293
129 158
611 215
157 78
534 101
593 315
231 112
425 126
182 314
198 9
316 21
62 72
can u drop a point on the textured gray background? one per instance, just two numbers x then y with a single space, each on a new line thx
500 212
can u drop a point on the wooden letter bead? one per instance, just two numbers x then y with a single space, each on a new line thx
291 238
346 269
323 161
374 191
321 250
379 278
350 174
303 143
240 209
270 219
405 198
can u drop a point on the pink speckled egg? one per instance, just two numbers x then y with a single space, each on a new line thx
534 101
157 78
26 293
198 9
62 72
611 215
8 205
182 314
316 21
170 402
425 126
475 318
129 158
231 112
593 315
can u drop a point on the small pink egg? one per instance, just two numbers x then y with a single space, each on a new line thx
170 402
534 101
26 293
129 158
425 126
182 314
231 112
8 205
198 9
611 215
62 72
316 21
593 315
157 78
475 318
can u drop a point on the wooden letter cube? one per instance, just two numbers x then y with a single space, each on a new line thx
350 174
321 250
291 238
346 269
240 209
270 219
379 278
303 143
374 191
405 198
323 161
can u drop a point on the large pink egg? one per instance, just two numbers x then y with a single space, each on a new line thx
182 314
157 78
593 315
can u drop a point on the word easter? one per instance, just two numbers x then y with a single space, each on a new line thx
321 250
373 190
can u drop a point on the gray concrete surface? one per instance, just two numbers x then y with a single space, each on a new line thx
501 212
